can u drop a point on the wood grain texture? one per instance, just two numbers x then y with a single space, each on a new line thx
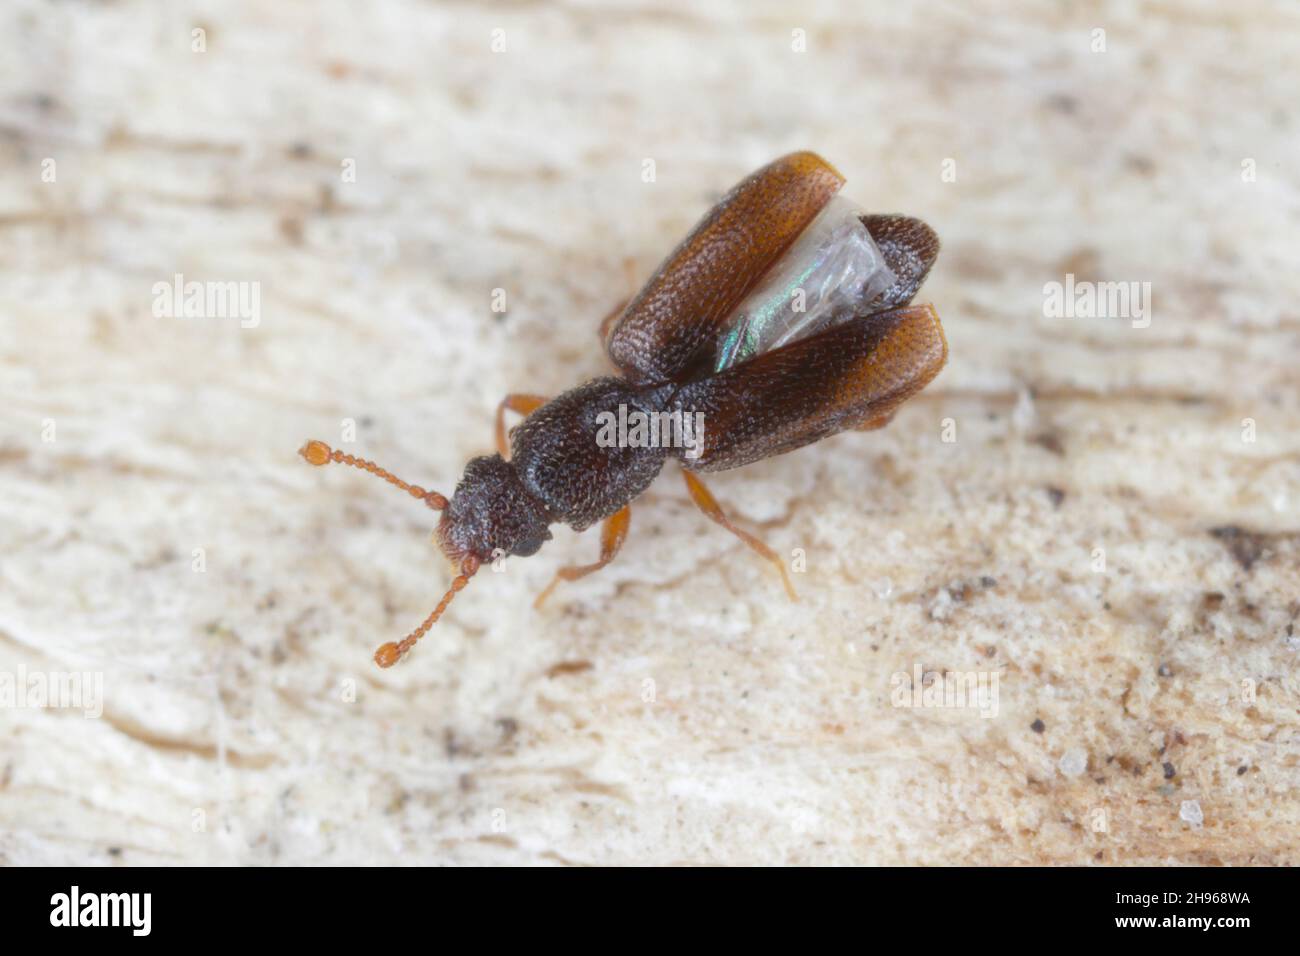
387 177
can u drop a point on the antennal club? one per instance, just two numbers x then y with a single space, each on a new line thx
386 655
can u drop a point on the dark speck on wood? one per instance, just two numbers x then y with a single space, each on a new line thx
1051 442
1246 547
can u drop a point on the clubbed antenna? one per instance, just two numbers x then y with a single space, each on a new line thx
319 453
389 654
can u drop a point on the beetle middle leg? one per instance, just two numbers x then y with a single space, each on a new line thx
612 535
705 501
517 402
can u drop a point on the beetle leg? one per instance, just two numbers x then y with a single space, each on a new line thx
612 535
705 501
521 403
871 424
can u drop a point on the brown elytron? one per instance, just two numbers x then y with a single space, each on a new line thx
706 341
679 311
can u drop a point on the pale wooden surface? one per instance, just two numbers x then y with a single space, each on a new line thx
771 736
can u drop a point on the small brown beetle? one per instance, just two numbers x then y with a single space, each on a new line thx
782 319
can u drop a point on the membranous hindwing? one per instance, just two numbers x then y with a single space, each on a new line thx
833 272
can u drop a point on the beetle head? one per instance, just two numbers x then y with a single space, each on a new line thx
491 515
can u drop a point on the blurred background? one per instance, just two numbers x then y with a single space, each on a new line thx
418 207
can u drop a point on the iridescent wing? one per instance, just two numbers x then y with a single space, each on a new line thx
834 272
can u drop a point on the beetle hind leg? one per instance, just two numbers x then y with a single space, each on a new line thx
612 535
705 501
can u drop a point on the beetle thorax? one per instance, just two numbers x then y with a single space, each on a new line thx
568 456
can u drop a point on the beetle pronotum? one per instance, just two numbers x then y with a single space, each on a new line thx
783 318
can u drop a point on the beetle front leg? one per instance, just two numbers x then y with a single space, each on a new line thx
523 404
705 501
612 535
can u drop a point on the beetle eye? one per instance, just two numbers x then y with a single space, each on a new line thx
529 546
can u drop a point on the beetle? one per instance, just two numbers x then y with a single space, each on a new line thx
784 317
